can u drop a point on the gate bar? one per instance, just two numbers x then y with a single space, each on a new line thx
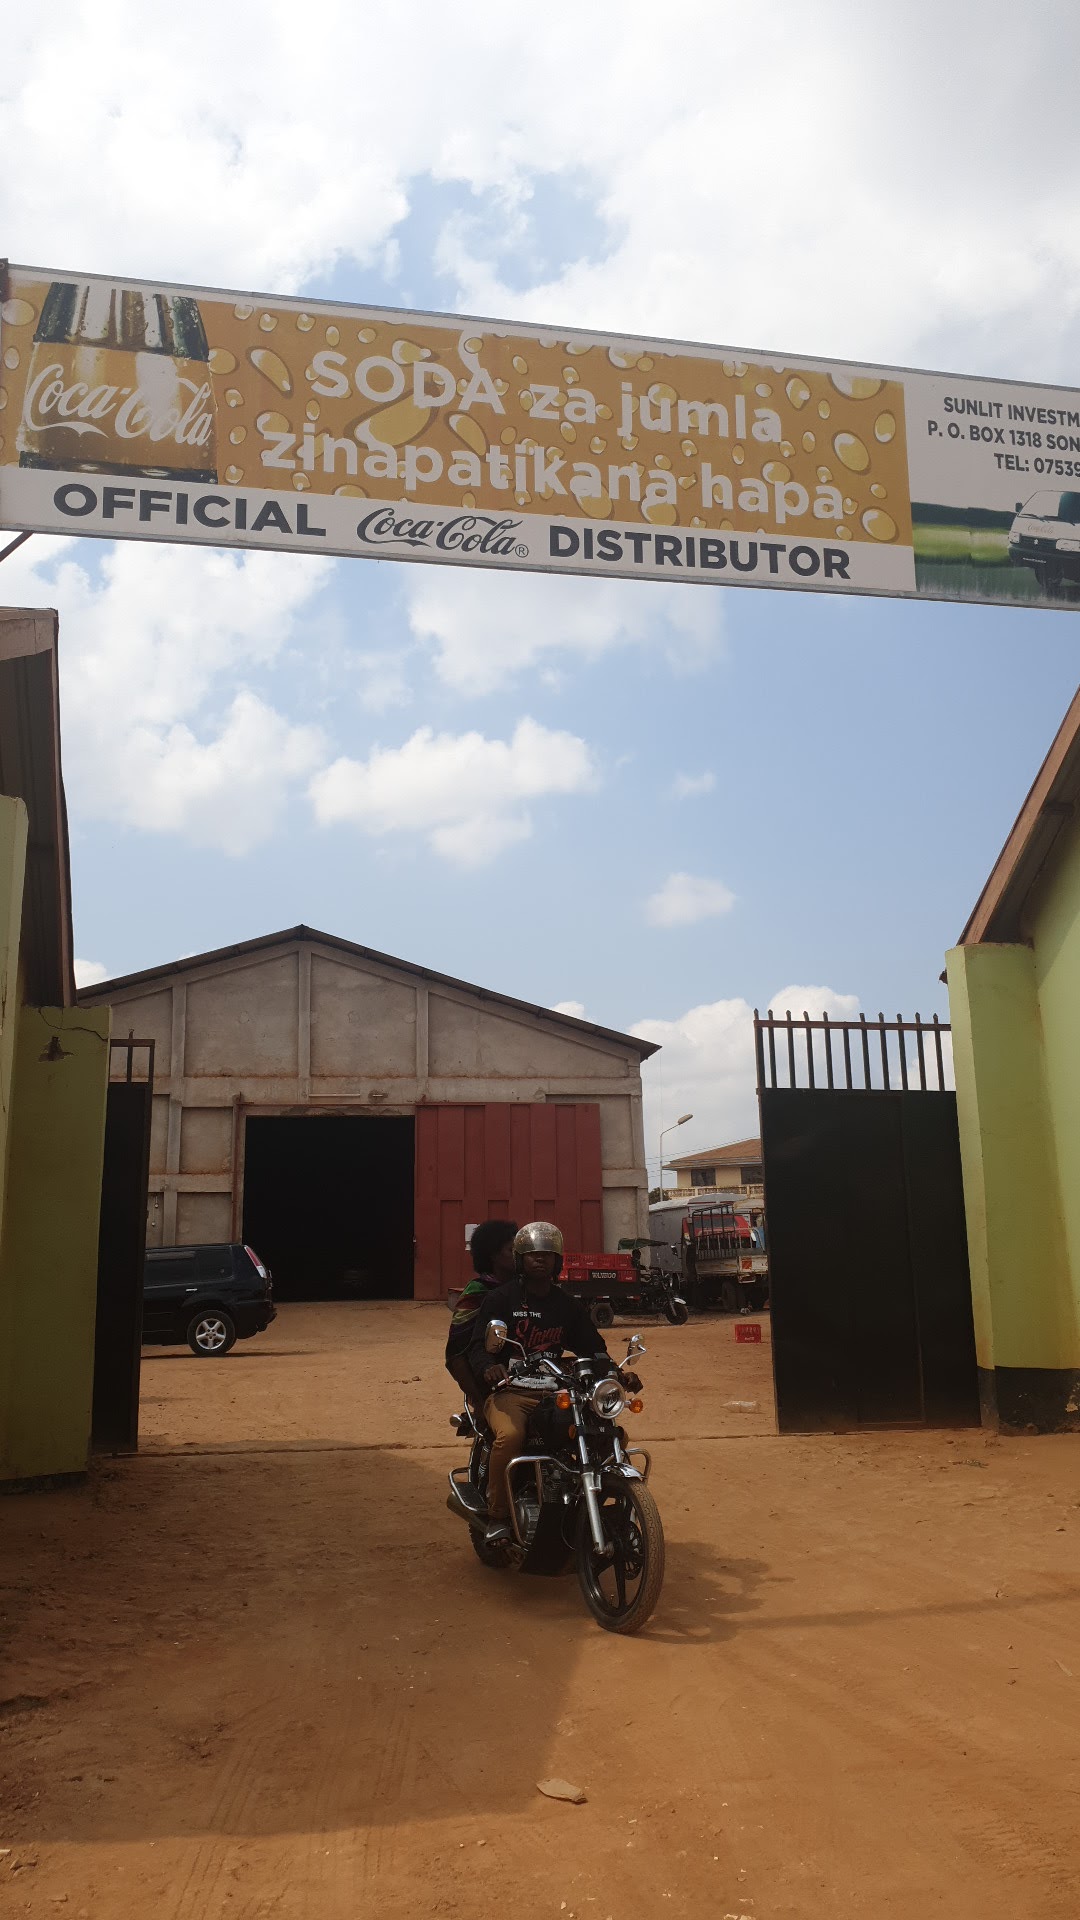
913 1073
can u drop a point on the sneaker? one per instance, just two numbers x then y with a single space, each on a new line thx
499 1534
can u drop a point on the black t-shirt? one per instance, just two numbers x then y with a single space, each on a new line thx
554 1323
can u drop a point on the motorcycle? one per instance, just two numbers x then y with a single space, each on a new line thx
575 1493
659 1289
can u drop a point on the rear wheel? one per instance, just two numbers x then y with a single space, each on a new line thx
603 1314
730 1298
621 1592
211 1332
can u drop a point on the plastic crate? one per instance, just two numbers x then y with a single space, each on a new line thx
598 1273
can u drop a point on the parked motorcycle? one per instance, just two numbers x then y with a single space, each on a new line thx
575 1493
659 1289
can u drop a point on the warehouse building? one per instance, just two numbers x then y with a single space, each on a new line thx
351 1115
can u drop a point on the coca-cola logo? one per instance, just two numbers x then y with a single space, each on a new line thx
184 414
460 533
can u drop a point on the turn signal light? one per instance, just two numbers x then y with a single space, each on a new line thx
563 1402
635 1406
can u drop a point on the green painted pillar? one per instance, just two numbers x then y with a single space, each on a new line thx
48 1252
13 839
13 836
1027 1326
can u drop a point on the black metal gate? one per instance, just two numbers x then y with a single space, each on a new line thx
122 1247
864 1208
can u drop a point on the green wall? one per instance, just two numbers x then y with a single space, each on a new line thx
13 835
1021 1283
48 1251
1054 927
1016 1044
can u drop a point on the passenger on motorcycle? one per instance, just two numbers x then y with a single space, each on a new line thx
492 1250
542 1319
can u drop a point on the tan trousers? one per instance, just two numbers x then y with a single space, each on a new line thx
506 1414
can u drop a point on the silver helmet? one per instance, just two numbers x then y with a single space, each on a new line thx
538 1236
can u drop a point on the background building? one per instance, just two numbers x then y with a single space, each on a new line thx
352 1115
1014 994
733 1172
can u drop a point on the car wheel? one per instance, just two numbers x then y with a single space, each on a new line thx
603 1314
211 1332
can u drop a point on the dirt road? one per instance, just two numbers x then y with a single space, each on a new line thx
257 1672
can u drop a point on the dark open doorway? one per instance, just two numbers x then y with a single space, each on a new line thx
328 1204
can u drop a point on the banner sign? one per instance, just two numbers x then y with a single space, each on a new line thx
171 413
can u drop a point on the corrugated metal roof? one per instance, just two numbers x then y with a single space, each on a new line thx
741 1153
107 990
1049 808
30 768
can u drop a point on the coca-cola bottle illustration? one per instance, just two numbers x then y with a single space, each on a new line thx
119 382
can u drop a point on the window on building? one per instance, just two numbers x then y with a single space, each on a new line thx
703 1176
750 1176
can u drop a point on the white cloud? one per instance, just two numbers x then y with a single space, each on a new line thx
706 1067
89 972
815 1001
575 1008
226 790
688 786
686 898
286 151
487 627
466 794
160 728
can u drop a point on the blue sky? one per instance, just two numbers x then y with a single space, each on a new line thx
863 759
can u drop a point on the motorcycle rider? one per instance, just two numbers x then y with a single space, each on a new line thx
492 1250
543 1320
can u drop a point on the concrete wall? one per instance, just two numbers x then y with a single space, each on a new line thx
48 1251
304 1027
1016 1043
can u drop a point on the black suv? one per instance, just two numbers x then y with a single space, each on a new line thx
208 1296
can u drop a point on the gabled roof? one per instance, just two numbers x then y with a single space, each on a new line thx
30 771
105 990
1049 808
741 1153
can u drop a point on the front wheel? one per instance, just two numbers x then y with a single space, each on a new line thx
677 1312
621 1592
211 1332
603 1314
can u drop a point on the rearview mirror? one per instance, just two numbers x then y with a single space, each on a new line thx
634 1346
495 1337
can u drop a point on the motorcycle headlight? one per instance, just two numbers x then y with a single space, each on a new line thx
608 1399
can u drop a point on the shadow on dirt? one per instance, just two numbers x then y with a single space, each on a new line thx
258 1643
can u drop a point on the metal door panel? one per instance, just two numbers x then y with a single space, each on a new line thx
121 1255
871 1304
514 1160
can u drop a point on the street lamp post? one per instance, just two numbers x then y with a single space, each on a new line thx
680 1122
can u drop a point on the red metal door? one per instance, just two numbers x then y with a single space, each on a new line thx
507 1161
